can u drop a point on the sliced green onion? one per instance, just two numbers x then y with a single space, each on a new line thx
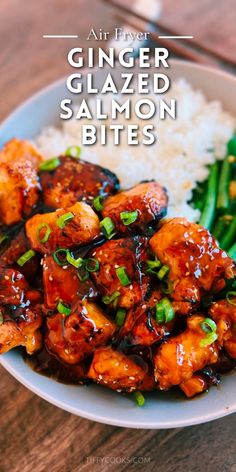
209 327
164 311
107 299
73 151
163 272
139 398
108 227
160 314
91 265
120 317
82 274
63 309
128 217
3 238
45 238
229 296
25 257
60 256
75 262
123 276
63 219
153 266
50 165
208 340
1 318
167 287
97 203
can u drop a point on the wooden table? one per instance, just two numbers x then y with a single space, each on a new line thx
36 436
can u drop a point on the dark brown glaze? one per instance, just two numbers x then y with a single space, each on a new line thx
149 199
197 264
19 183
82 229
73 338
130 253
74 180
63 283
44 363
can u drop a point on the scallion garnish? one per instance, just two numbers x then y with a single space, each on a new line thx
229 297
26 257
160 314
50 165
63 219
108 227
60 256
82 273
91 265
139 398
164 311
120 317
129 217
47 233
123 276
107 299
63 309
161 274
3 238
75 262
209 327
73 151
153 266
97 203
1 318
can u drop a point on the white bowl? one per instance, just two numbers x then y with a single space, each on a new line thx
162 410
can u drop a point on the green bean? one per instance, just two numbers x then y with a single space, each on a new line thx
232 146
229 236
223 190
207 216
232 252
219 229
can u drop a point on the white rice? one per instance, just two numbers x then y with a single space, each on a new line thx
178 160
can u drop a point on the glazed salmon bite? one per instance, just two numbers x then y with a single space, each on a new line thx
98 284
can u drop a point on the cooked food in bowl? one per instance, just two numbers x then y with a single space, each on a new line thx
97 283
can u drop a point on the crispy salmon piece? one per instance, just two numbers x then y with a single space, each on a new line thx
148 199
140 326
131 254
45 235
74 180
19 184
177 359
73 338
18 246
115 370
22 330
62 283
15 290
197 264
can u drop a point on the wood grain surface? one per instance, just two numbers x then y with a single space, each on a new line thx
36 436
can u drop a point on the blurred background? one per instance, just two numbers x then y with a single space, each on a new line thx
35 435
